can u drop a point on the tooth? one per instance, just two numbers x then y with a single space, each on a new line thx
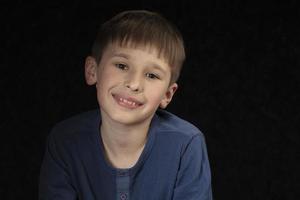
131 103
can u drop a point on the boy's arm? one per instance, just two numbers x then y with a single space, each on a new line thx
194 178
54 178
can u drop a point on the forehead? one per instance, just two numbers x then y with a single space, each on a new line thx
131 45
130 50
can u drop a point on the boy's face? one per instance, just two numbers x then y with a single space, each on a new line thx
131 83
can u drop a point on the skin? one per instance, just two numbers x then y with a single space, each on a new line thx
131 84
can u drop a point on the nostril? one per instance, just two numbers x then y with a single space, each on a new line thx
132 87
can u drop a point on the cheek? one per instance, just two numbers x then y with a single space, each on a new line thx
105 77
156 95
105 82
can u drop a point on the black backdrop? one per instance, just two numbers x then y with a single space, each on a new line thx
239 85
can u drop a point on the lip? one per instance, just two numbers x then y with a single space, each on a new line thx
127 102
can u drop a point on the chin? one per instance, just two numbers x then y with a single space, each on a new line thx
131 118
127 120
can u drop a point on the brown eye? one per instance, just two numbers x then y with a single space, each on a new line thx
152 76
121 66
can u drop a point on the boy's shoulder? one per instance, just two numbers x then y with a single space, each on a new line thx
82 123
172 124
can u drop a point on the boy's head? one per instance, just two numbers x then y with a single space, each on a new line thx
139 28
136 60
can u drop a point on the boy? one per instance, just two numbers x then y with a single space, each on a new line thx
129 148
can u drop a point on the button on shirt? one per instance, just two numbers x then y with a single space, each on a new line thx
173 165
123 181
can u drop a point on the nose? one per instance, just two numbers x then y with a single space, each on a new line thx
134 82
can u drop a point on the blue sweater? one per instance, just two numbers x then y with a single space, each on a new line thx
173 165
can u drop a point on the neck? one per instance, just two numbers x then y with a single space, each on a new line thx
123 140
123 144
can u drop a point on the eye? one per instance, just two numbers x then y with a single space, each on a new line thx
152 76
121 66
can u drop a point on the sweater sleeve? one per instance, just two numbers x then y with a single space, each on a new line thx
55 180
194 178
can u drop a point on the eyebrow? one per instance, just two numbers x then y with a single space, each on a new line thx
156 66
123 55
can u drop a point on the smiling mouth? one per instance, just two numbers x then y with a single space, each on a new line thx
127 102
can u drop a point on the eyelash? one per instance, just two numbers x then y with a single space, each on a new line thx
125 67
121 66
152 76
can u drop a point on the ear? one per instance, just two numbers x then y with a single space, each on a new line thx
90 70
168 96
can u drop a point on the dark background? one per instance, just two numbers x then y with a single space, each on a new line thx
240 86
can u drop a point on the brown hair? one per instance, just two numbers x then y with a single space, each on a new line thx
140 27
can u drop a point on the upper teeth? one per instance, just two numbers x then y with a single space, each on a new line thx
128 102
